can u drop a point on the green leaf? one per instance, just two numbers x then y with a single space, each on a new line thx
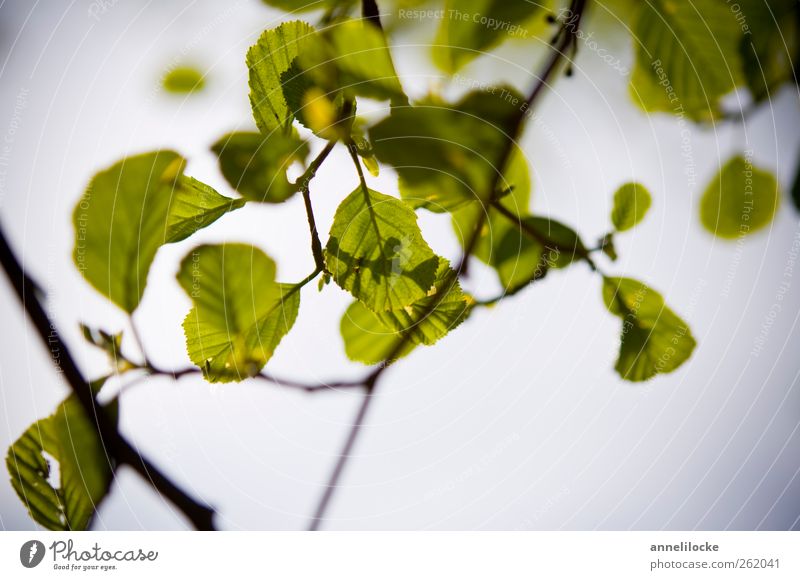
470 28
193 206
654 339
352 55
183 80
447 155
562 245
366 339
377 253
255 165
240 312
267 61
371 337
740 200
128 211
631 202
770 45
85 472
501 243
687 56
429 319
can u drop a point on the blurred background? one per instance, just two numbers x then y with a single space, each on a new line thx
517 420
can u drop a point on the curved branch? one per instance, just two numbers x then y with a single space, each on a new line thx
115 444
561 43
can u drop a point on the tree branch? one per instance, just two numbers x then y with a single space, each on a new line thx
369 10
116 445
262 376
344 455
564 38
304 182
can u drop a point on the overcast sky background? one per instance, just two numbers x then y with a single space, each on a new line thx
514 421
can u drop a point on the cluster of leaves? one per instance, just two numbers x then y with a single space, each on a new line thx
450 157
690 56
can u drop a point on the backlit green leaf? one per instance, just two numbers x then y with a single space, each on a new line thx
84 471
193 206
371 337
366 339
429 319
377 253
654 339
240 312
631 202
447 155
255 165
739 200
687 56
352 55
128 211
267 61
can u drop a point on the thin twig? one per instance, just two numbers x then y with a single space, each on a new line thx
304 183
344 455
263 376
369 10
115 444
560 44
372 380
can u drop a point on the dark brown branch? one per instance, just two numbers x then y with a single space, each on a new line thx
560 45
369 10
263 376
115 444
344 455
304 183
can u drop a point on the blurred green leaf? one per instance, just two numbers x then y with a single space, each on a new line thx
654 339
740 200
84 471
470 28
377 253
447 155
255 164
770 45
631 202
128 211
687 56
183 80
240 312
501 243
